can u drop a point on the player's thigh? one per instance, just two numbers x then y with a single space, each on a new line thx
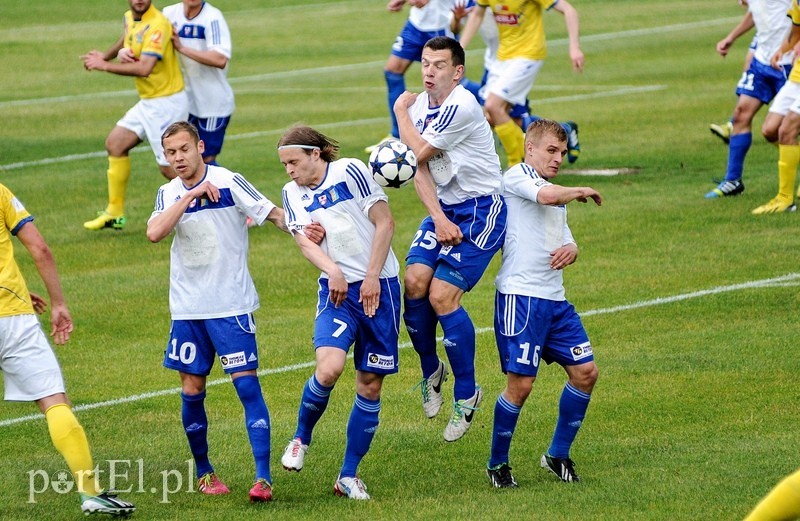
567 342
189 348
30 369
511 80
234 340
376 345
334 326
159 114
785 98
519 337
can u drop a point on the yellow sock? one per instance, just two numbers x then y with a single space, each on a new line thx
119 171
788 159
782 503
70 440
513 141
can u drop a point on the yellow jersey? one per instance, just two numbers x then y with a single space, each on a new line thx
152 36
14 296
794 15
520 27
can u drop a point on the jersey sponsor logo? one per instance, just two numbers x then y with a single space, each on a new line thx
506 19
195 32
380 361
582 351
233 360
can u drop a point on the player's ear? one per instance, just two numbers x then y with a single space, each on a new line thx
201 146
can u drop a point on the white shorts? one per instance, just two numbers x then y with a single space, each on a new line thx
29 366
150 117
787 99
511 80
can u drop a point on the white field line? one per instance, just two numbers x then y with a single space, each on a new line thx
776 281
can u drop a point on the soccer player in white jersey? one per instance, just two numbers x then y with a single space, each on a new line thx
204 42
758 86
426 19
459 182
359 291
211 294
533 320
30 370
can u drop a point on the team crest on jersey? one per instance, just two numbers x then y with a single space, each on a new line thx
380 361
322 199
582 351
233 360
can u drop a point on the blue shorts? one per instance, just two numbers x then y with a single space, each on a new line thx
375 338
411 41
530 329
212 132
483 223
193 344
762 82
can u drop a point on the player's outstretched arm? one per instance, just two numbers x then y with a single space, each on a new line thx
557 195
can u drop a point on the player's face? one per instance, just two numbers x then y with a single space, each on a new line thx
439 75
185 157
305 169
139 7
546 155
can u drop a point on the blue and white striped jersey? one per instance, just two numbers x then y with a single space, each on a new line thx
459 129
209 277
341 204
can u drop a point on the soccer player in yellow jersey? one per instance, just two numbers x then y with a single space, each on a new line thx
520 55
781 504
30 369
146 52
786 109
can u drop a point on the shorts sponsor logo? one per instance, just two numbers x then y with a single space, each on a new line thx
233 360
380 361
582 351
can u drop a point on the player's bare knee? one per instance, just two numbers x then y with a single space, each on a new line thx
583 377
328 375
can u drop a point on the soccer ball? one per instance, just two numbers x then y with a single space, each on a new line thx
393 164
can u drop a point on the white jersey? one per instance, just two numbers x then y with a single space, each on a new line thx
341 205
433 16
208 276
467 166
533 232
210 95
772 28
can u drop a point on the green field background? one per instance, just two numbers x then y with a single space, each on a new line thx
691 304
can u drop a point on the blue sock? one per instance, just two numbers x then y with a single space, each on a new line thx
506 415
195 424
420 320
396 85
360 430
312 404
474 87
737 150
459 342
256 417
571 411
